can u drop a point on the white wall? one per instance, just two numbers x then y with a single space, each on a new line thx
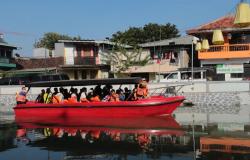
59 49
241 86
42 53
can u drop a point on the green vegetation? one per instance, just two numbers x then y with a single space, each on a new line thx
49 39
149 33
120 58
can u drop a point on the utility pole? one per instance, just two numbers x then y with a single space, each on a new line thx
160 59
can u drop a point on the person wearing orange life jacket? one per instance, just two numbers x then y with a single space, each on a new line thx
21 96
95 98
142 92
142 89
73 98
55 99
83 95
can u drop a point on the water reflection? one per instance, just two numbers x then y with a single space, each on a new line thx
126 138
140 131
79 138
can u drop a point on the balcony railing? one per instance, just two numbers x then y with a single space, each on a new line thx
226 51
85 61
4 60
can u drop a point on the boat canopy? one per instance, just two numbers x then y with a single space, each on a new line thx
85 82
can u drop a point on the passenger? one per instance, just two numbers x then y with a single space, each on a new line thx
105 93
98 90
127 92
113 96
77 94
71 90
73 98
39 98
83 95
133 95
60 94
47 97
142 90
145 87
55 91
66 94
90 94
95 98
119 92
21 96
106 98
55 98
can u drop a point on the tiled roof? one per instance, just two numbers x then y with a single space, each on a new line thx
184 40
224 23
38 63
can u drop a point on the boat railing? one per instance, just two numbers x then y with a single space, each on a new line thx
166 91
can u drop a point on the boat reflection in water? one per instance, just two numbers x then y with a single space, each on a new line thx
85 137
129 138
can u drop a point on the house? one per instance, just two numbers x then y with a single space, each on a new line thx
231 59
6 55
166 56
82 59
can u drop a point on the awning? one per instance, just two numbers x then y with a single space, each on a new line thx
8 65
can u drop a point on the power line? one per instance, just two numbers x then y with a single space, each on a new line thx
17 33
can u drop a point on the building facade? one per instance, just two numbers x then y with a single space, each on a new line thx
6 55
82 59
166 56
231 59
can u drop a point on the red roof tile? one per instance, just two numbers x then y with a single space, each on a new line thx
220 23
39 63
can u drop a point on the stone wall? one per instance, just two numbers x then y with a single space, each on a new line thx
227 102
7 102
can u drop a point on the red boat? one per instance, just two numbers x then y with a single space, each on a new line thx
152 106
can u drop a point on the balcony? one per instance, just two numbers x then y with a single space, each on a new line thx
4 60
226 52
85 60
5 63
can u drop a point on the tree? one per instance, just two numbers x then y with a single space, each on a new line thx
120 59
49 39
148 33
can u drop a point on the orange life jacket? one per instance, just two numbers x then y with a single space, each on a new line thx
95 99
20 97
55 99
65 101
84 100
72 100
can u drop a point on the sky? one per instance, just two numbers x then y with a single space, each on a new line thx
23 22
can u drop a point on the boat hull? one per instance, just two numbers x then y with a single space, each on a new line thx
154 106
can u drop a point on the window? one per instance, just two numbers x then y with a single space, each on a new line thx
236 75
173 76
2 53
